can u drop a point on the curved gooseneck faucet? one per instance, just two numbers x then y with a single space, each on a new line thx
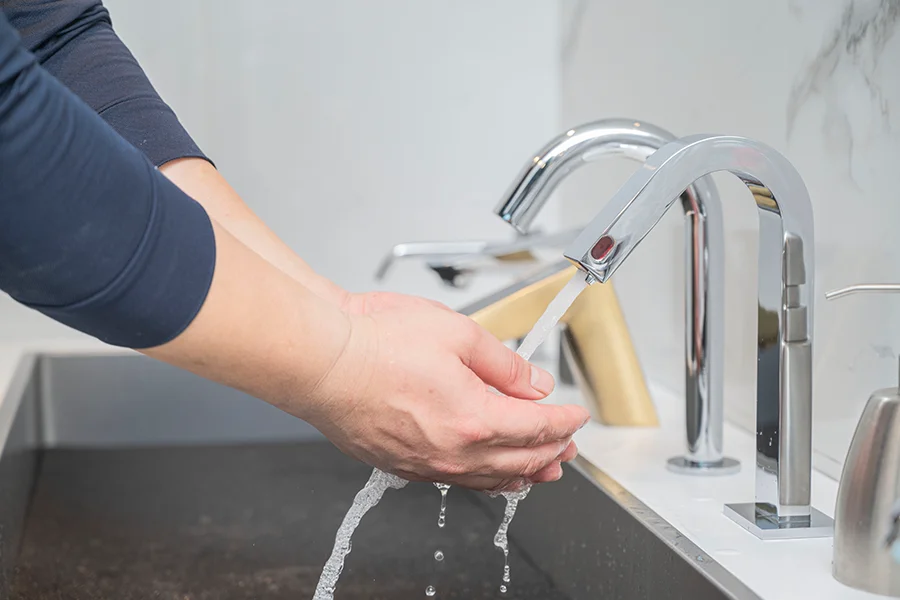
786 272
704 259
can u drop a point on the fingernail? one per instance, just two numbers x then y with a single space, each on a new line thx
541 380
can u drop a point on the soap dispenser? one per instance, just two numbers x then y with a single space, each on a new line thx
866 517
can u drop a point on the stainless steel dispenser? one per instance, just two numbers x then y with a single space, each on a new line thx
866 516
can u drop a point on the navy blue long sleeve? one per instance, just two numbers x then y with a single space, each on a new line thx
74 41
91 234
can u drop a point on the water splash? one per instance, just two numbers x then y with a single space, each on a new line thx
430 591
442 516
501 539
438 555
365 499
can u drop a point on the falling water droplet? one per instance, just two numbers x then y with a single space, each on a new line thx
438 555
442 516
502 589
430 591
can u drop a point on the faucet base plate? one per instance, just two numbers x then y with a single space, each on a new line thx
817 525
684 466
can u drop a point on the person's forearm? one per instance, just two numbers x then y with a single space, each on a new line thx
200 180
273 339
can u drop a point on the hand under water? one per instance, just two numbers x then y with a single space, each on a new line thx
411 394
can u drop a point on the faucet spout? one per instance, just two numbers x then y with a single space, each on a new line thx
704 272
786 281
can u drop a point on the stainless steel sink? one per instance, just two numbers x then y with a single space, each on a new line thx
121 477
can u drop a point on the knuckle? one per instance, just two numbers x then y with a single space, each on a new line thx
471 332
474 432
541 434
532 465
451 468
516 368
502 485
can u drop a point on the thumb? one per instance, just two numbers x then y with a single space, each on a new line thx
509 373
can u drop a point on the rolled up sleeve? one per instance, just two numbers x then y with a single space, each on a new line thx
91 234
74 41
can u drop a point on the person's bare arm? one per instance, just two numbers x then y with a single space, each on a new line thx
405 390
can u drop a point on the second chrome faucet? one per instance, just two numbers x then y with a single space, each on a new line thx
704 268
782 508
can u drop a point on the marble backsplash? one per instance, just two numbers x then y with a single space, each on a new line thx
820 82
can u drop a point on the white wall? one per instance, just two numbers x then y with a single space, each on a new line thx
819 81
352 125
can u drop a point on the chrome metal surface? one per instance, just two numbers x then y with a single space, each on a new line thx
786 268
725 466
19 443
863 288
454 261
866 513
814 525
149 403
704 261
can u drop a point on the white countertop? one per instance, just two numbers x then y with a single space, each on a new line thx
635 457
774 569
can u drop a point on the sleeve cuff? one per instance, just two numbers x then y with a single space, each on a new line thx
164 285
152 127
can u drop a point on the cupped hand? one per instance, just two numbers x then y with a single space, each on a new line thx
411 394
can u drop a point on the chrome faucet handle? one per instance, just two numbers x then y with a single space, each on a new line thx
874 288
452 261
427 250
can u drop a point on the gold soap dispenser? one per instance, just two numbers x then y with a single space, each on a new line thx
867 513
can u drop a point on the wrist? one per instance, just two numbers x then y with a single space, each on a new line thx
346 379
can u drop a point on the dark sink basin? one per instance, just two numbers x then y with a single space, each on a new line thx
124 479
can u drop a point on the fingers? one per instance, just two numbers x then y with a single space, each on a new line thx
527 424
553 471
570 453
500 367
483 483
520 463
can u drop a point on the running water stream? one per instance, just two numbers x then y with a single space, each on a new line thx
379 482
555 311
365 499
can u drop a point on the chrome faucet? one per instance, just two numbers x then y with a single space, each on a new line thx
786 274
704 260
455 261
